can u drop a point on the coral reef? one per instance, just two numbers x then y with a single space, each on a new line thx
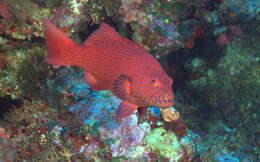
245 9
23 72
209 47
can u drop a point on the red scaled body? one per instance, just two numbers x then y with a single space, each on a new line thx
112 62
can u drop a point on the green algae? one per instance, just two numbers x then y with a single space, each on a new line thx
164 142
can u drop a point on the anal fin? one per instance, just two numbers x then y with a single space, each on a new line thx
93 82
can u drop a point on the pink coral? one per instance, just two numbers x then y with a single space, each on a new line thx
132 11
8 151
223 39
231 34
5 14
127 136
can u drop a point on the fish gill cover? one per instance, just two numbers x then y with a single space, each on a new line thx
209 48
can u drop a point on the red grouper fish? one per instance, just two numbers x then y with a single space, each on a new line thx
112 62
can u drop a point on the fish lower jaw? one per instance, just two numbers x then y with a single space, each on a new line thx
165 106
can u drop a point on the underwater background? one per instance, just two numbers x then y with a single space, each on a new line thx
210 48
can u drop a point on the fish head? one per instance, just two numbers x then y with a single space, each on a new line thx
154 89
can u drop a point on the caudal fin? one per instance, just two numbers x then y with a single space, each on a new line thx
62 50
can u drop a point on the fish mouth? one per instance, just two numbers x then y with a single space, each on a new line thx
161 102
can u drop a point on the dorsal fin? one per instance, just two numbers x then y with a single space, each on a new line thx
104 33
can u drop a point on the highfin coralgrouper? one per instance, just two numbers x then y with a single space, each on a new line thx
112 62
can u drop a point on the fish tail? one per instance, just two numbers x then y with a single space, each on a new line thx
62 51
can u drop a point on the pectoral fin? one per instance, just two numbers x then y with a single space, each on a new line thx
126 109
121 86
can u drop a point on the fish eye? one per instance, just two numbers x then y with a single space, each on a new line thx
155 82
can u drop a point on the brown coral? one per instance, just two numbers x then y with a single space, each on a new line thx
169 114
